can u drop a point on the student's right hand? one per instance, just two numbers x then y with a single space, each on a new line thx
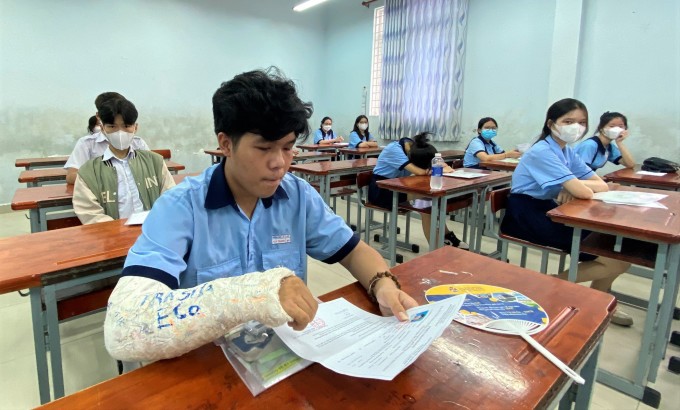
339 139
297 301
513 154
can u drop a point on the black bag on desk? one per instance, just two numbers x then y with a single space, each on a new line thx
654 164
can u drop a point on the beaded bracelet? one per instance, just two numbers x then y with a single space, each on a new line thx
376 278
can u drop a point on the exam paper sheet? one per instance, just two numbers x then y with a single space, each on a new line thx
351 341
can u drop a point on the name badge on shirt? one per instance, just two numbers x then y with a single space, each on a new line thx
278 239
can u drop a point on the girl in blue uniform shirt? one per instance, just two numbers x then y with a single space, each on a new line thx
360 137
324 135
550 174
482 147
600 148
402 158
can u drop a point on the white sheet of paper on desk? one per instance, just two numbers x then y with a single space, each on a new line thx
341 144
628 197
646 205
459 173
655 174
511 160
351 341
137 218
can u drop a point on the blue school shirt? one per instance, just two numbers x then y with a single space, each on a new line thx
595 155
545 167
318 136
355 139
391 161
196 232
477 145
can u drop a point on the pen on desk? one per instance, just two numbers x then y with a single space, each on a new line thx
448 272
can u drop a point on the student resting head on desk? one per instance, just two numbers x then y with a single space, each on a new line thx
483 148
122 180
401 158
325 135
607 144
550 174
231 244
94 144
361 137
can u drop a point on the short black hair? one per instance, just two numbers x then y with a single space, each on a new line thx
104 97
422 151
111 108
608 116
261 102
91 123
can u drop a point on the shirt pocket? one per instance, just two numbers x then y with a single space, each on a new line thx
287 258
227 269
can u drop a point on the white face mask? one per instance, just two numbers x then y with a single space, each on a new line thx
362 126
96 129
570 133
326 128
120 140
613 133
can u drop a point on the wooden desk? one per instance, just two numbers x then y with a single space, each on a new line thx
465 368
628 176
361 152
657 226
49 261
216 155
451 154
43 201
324 147
39 177
499 165
48 162
419 186
326 169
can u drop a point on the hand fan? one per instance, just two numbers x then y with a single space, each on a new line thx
500 310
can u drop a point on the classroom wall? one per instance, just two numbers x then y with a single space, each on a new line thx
167 56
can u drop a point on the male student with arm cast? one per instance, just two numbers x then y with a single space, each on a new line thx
230 245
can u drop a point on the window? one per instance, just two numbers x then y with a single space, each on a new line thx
376 61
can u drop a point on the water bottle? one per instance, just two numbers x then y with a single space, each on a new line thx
437 172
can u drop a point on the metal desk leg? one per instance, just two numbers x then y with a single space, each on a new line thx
34 216
434 223
441 221
55 340
325 188
40 348
575 249
392 240
665 312
589 371
479 200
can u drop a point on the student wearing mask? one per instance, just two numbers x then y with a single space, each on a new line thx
550 174
93 125
408 156
231 244
360 137
483 148
325 135
607 144
123 180
94 144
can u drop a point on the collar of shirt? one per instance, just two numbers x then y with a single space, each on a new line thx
555 147
600 147
108 154
485 142
99 137
219 194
